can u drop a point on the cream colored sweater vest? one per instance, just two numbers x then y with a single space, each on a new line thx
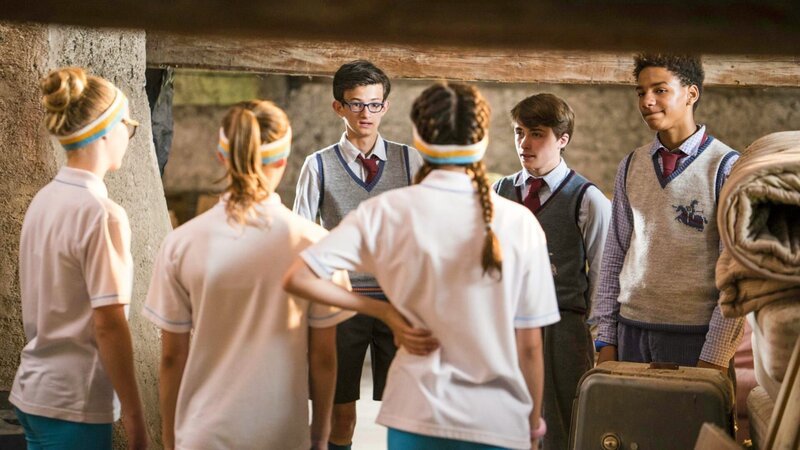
668 274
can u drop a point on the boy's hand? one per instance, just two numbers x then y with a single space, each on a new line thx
416 341
607 353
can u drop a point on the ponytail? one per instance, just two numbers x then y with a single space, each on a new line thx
248 185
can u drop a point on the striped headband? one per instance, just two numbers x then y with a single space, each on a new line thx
270 152
98 127
451 154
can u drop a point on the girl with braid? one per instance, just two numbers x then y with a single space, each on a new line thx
457 260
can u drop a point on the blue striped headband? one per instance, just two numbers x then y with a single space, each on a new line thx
270 152
98 127
451 154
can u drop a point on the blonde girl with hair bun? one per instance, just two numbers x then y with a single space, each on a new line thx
242 381
76 276
459 261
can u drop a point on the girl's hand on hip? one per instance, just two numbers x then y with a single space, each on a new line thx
416 341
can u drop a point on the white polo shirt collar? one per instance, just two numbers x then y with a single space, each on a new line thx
448 180
82 179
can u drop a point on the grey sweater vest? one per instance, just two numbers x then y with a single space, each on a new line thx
667 279
341 191
558 217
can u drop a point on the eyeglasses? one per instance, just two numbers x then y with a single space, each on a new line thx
357 107
131 125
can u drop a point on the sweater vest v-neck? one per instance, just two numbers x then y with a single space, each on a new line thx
558 217
342 190
667 279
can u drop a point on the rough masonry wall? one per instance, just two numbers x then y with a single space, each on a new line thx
608 125
29 160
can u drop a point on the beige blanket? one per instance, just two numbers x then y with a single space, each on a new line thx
759 223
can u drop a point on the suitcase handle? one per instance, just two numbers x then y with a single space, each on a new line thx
663 366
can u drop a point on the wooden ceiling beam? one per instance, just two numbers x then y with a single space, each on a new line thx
292 57
766 27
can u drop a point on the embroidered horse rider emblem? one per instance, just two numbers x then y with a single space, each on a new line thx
690 216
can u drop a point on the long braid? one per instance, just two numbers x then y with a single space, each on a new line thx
447 114
492 256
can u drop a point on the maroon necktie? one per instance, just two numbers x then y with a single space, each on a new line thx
532 199
669 160
370 165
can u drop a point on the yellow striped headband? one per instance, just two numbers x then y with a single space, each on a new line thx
270 152
98 127
451 154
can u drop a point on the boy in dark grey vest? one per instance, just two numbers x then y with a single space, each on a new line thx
574 215
657 300
333 181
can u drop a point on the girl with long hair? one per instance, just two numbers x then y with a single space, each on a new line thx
464 264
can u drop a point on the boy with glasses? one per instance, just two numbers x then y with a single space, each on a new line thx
334 181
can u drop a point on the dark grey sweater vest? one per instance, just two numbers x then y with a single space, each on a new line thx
558 217
342 191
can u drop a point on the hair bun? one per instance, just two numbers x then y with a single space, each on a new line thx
62 87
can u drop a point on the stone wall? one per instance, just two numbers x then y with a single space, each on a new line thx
27 162
608 125
29 159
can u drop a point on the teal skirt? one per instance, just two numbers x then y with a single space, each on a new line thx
401 440
45 433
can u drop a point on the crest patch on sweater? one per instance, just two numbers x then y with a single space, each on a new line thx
691 216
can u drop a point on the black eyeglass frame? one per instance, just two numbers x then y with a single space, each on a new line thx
358 107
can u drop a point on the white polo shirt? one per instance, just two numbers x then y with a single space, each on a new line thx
74 256
423 243
245 385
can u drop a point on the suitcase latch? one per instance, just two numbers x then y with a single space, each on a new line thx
610 441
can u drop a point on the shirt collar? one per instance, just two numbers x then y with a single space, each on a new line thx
350 152
690 146
273 199
553 179
449 180
82 178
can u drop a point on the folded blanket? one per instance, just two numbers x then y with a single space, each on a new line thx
758 216
776 329
742 290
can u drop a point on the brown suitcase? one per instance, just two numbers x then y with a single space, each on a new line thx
633 406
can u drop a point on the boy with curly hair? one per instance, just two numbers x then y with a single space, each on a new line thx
657 301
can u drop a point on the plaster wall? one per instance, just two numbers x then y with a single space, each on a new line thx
608 125
29 159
